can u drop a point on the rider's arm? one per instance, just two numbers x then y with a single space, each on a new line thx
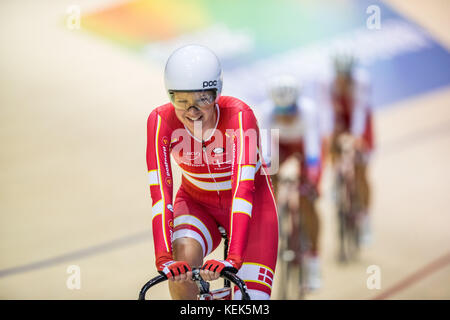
361 105
326 109
264 129
312 140
243 173
161 189
359 116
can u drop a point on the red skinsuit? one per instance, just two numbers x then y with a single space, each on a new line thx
224 183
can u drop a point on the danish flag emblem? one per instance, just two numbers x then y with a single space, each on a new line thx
265 275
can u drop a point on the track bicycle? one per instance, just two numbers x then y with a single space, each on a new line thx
347 199
293 242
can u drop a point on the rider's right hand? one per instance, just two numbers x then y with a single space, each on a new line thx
175 270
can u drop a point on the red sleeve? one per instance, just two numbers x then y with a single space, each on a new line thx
245 158
161 185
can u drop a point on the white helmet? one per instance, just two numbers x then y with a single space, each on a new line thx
193 68
284 90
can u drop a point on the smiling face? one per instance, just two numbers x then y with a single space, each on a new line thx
195 108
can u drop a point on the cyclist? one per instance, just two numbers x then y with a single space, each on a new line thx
297 119
215 141
348 99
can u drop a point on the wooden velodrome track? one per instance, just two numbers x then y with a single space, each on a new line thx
74 183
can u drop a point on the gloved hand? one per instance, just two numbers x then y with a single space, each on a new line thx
217 266
171 268
360 144
313 174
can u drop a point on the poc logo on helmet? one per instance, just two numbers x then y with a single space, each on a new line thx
209 83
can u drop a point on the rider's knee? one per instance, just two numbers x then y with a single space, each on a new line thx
189 250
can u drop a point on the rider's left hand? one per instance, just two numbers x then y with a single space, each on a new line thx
313 174
212 269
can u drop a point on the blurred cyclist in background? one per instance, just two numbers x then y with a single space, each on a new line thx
347 98
297 119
